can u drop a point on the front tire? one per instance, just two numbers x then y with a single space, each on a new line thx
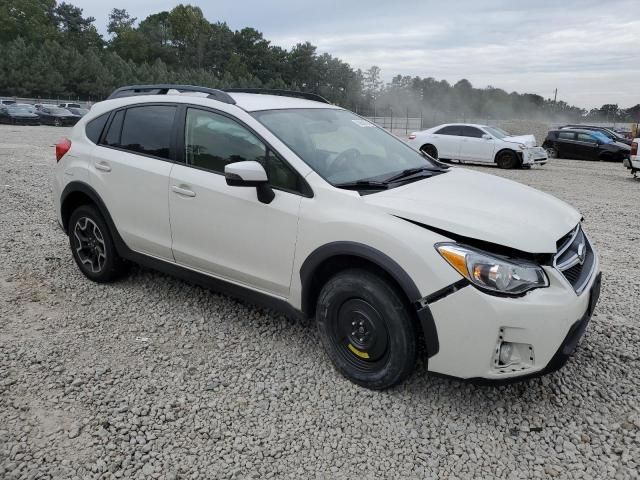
92 246
430 150
507 160
366 329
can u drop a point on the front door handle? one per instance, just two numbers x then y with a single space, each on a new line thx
104 166
185 192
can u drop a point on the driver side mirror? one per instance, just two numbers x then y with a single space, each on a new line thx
486 136
250 174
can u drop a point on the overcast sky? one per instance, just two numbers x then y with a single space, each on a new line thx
588 49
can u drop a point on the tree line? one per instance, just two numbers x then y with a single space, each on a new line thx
51 49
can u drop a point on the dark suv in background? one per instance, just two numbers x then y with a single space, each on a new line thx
584 145
609 132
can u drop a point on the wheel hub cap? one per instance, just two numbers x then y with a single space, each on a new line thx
363 329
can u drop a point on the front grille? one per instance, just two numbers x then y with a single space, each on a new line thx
575 259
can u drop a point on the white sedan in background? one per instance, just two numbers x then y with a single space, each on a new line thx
479 144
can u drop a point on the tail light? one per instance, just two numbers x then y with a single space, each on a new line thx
412 136
634 148
62 147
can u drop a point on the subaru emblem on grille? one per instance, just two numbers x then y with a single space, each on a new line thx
582 254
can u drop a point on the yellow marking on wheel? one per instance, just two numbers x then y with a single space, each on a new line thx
359 353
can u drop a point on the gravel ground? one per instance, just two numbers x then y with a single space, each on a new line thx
154 378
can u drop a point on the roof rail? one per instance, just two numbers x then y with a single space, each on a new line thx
163 89
284 93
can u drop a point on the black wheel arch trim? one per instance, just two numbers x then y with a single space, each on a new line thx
218 285
381 260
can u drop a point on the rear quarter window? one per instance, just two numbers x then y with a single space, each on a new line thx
94 127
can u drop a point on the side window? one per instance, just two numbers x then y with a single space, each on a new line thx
472 132
147 130
213 141
567 135
450 130
112 138
94 127
585 137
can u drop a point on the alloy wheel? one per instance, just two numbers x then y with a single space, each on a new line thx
90 249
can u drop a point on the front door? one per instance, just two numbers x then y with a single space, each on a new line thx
223 230
474 148
586 147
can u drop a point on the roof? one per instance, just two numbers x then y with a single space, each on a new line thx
461 125
252 102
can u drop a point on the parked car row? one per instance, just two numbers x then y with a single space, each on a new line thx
483 144
66 114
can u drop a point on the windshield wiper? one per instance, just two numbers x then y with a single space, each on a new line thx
363 185
409 172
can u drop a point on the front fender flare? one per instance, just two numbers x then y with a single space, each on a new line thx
381 260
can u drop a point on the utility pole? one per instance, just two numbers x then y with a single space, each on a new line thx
555 96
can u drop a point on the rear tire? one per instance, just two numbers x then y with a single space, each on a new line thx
366 329
92 246
430 150
507 159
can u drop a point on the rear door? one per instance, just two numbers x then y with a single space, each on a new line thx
447 141
566 144
130 171
475 148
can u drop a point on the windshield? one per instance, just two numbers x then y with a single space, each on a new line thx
497 132
602 137
340 146
58 111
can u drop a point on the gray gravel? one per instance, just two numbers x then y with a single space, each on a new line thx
154 378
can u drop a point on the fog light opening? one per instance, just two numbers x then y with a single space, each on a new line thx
506 353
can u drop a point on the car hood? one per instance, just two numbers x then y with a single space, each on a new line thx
528 140
482 207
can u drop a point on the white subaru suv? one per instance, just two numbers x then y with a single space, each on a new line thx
299 205
479 144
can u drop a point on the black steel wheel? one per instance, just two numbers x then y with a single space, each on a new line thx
92 246
430 150
366 329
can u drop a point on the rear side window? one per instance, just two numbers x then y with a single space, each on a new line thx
450 130
567 135
148 129
94 127
112 138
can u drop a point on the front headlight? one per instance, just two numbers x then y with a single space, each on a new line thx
493 273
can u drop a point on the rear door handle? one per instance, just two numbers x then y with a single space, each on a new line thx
104 166
185 192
